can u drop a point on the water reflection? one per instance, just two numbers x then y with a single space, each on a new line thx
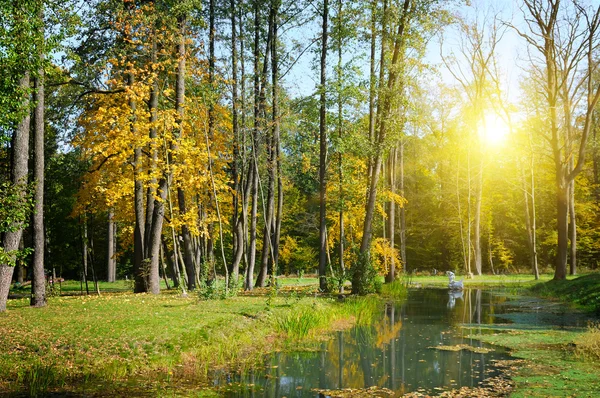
395 353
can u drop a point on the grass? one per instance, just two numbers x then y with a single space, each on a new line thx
551 365
478 281
556 363
165 343
583 291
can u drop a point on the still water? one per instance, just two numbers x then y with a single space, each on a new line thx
395 353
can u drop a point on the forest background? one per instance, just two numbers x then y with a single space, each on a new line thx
243 140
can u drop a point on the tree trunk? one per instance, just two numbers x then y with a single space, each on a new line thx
179 107
402 210
19 169
477 220
530 224
340 135
276 137
323 154
110 261
38 282
253 170
562 207
391 216
84 253
238 231
572 230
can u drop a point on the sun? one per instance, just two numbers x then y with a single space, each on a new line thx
494 130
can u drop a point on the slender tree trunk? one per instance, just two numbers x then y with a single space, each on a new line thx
170 259
276 137
402 210
153 215
238 231
530 223
477 220
211 125
253 171
272 154
84 252
572 230
139 266
372 85
340 135
19 170
391 216
110 240
38 282
92 256
323 154
179 107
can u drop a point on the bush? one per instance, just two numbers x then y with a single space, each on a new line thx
364 276
588 346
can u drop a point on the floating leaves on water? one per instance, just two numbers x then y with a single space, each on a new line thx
460 347
356 392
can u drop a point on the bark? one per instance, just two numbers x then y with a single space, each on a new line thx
340 135
572 230
271 152
238 242
110 261
530 224
323 154
402 211
179 107
170 260
155 209
84 253
477 220
211 127
253 169
19 170
276 138
38 282
391 221
153 150
372 84
139 266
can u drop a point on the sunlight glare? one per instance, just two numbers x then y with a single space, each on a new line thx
494 129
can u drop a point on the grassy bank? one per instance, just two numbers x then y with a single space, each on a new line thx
583 291
481 281
556 362
154 345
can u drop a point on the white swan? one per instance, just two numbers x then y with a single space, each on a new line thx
452 284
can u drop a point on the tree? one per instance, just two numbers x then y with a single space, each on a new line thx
565 38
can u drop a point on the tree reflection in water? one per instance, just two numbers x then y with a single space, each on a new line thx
394 353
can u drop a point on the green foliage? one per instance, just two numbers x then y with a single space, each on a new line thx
16 205
364 276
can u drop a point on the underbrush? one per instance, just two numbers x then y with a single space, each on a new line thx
587 347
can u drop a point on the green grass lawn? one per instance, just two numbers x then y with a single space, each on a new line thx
144 345
79 342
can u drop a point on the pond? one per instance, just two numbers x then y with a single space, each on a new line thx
398 353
